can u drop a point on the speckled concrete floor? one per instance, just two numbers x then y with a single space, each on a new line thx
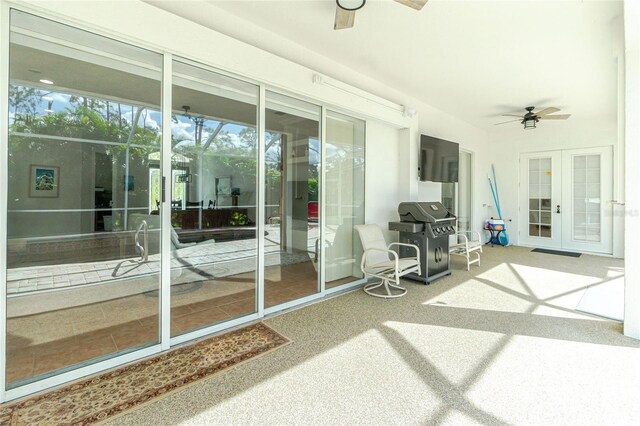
500 344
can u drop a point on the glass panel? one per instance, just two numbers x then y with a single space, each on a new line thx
586 188
534 177
534 164
545 178
593 233
593 218
545 218
593 207
213 205
579 232
534 217
534 230
545 231
84 135
344 198
464 192
593 192
534 204
593 176
539 195
593 161
545 191
449 196
534 191
292 165
579 162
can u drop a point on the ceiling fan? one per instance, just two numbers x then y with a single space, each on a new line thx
346 11
530 119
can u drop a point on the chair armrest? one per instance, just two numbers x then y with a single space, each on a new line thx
364 257
476 233
463 236
407 245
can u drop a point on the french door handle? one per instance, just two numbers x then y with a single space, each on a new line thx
558 209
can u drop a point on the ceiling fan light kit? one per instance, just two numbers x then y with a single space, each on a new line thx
346 11
530 119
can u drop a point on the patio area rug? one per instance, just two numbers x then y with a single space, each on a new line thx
110 394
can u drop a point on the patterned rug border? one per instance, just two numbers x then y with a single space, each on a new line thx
159 393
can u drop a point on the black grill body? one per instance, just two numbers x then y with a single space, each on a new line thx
428 226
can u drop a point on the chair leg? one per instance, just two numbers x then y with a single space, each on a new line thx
367 289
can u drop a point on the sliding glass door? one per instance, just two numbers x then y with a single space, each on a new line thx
344 198
94 187
213 198
292 174
83 245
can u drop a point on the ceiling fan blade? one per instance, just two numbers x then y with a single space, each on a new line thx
512 115
555 117
505 122
414 4
344 18
546 111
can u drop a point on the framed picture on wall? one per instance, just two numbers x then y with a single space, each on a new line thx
44 181
223 186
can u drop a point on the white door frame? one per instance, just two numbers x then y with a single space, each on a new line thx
562 196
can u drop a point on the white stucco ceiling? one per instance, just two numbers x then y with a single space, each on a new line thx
473 59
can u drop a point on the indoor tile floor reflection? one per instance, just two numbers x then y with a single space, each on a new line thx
45 342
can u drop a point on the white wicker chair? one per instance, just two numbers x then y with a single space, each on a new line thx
468 245
376 262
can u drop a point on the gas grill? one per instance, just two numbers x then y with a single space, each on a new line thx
428 226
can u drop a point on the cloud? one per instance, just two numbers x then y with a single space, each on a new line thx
179 131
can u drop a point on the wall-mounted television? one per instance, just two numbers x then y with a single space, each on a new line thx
438 160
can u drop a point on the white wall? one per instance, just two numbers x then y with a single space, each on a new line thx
383 176
508 143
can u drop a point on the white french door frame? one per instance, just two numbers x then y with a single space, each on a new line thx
562 195
164 333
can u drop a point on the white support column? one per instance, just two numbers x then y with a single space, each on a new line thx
261 191
632 171
165 210
4 174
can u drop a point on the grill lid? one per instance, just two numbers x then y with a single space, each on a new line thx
429 212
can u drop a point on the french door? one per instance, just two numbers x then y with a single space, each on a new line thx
564 199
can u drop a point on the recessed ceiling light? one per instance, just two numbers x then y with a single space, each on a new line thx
48 110
46 81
